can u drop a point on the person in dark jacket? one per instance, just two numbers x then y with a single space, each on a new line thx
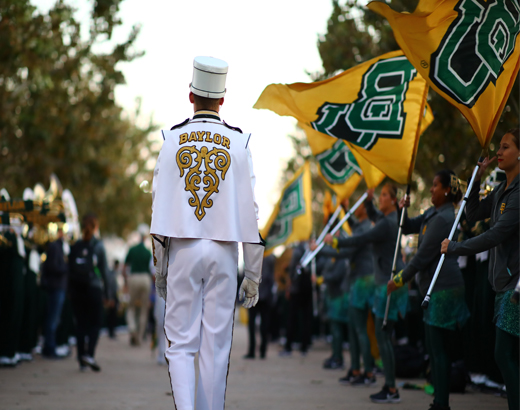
113 305
262 308
502 239
447 311
89 298
54 281
362 289
334 267
383 237
299 295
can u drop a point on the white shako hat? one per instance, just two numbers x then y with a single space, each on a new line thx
209 77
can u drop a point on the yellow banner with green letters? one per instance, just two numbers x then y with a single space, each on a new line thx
378 109
467 50
291 220
341 168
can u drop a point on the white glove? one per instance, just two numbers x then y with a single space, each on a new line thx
160 286
248 293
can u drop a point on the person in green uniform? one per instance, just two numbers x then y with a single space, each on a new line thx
138 281
361 297
383 237
334 268
29 326
362 291
447 311
502 239
12 269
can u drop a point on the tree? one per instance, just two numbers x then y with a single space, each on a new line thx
59 114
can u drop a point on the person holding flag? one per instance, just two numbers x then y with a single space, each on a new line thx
362 291
503 238
448 311
361 298
383 238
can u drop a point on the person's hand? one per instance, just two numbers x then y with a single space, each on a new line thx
404 202
390 287
328 239
483 166
370 194
444 245
248 293
312 245
109 303
345 203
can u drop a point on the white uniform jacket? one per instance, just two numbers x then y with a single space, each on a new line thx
203 183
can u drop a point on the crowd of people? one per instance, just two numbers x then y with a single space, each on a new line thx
470 325
50 304
348 294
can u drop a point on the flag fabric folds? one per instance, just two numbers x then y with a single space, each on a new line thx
291 220
467 50
330 205
376 108
341 168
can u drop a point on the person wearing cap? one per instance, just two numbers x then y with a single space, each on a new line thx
202 205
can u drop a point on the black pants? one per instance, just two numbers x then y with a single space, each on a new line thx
11 300
300 312
29 330
111 317
87 304
263 309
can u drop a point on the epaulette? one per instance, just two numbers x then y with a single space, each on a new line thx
182 124
232 128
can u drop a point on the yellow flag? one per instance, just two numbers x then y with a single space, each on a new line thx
291 220
376 108
427 118
329 207
341 168
468 50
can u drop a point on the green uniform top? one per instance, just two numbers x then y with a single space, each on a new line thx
138 259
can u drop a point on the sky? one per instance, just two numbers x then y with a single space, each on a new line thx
273 41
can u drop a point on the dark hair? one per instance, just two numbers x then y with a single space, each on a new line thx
204 103
392 190
515 133
89 221
448 179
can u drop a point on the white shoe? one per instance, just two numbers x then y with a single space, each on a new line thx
26 357
7 361
63 350
90 362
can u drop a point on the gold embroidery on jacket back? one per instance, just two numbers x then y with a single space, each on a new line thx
214 161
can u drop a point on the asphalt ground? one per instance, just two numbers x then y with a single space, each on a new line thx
132 380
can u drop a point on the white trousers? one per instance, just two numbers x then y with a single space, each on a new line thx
201 290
